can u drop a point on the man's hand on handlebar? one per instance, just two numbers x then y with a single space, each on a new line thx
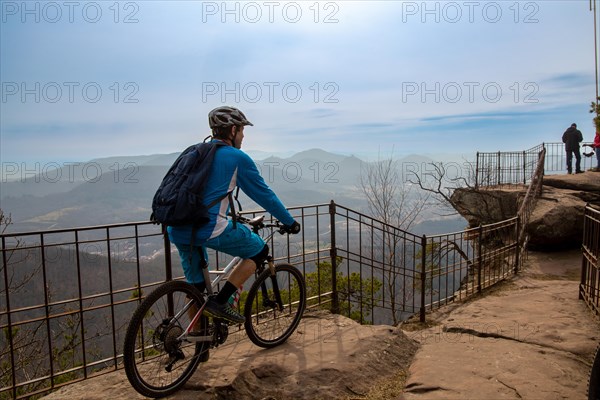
291 229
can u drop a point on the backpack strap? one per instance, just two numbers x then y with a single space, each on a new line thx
211 205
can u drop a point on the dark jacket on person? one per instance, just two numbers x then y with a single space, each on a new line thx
571 138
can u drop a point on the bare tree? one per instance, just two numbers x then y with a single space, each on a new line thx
398 207
479 206
8 257
450 192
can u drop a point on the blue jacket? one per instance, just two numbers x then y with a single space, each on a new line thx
231 167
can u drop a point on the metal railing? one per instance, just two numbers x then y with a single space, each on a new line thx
67 295
527 204
556 158
507 167
589 288
386 275
518 167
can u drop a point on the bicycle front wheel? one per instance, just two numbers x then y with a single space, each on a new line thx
157 364
275 305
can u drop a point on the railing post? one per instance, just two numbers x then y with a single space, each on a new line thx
477 171
168 268
479 257
525 168
335 307
423 277
540 176
168 263
518 246
499 169
9 328
545 151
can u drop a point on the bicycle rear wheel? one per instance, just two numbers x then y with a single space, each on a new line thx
156 363
275 305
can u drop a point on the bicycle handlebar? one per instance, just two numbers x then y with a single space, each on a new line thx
258 223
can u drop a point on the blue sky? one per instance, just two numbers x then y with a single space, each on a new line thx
82 80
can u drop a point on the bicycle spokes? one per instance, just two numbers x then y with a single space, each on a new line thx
158 361
274 305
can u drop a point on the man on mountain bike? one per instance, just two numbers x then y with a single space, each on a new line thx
231 167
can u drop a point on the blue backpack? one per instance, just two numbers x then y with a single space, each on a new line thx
179 198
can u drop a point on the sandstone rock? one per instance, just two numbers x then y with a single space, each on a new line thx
556 221
487 205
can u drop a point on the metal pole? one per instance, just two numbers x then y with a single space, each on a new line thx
593 8
477 171
335 307
479 258
9 328
518 246
423 277
168 264
168 269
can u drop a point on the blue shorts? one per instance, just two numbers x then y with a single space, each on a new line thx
238 242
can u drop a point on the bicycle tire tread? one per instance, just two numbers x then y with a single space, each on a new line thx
253 293
130 341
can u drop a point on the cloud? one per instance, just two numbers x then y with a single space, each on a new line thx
347 75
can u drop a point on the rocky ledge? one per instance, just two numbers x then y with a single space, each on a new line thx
557 220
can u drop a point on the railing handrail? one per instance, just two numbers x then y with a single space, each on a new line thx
75 229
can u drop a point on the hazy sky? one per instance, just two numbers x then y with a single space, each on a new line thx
92 79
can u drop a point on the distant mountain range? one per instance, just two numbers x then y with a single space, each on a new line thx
120 189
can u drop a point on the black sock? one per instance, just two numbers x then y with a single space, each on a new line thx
228 290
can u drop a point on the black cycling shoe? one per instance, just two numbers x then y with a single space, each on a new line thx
223 311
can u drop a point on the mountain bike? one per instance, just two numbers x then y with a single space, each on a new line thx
167 338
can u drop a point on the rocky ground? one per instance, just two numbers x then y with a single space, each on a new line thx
528 338
329 357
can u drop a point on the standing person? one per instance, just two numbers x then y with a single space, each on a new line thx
231 167
596 146
571 138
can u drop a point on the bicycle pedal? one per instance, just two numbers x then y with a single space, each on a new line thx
225 322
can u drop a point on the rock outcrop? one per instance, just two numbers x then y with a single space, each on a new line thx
328 357
556 221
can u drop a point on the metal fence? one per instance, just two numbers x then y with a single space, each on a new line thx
556 159
589 288
386 275
518 167
506 168
66 296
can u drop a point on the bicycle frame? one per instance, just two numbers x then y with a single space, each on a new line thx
213 285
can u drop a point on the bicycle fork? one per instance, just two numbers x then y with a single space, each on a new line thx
267 302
